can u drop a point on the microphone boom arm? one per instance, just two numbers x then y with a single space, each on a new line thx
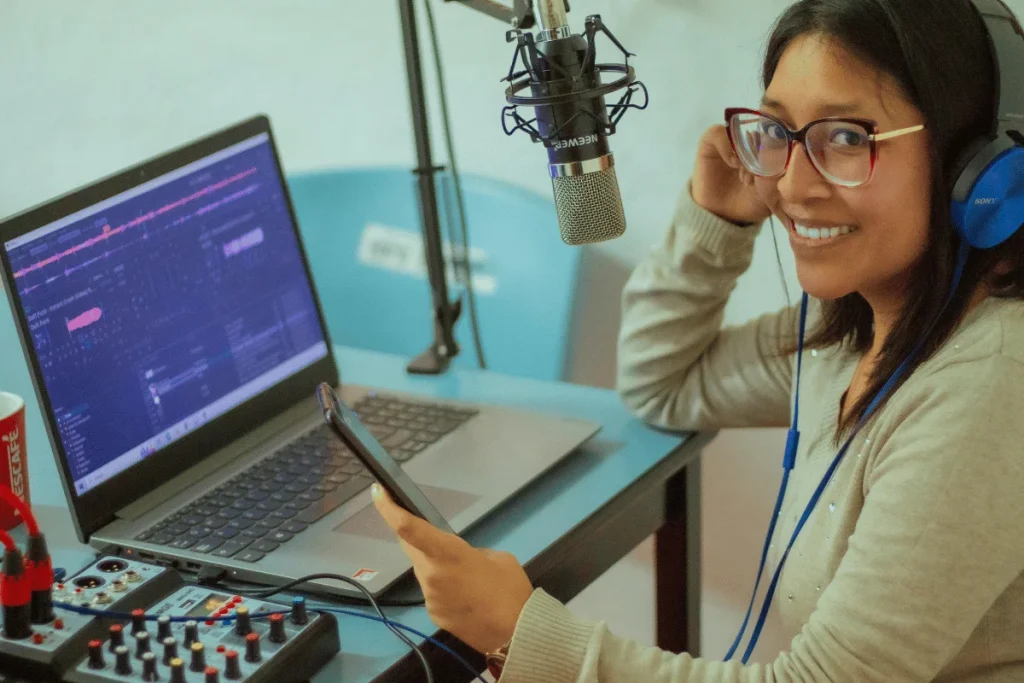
520 15
443 348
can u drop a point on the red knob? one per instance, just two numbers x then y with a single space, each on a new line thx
138 620
252 647
232 670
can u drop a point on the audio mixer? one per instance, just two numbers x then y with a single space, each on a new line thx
160 629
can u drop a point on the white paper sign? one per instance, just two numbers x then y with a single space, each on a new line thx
401 251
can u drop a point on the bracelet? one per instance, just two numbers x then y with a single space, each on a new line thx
496 660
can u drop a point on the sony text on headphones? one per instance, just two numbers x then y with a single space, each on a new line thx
988 195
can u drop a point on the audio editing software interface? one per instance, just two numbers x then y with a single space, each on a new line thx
154 311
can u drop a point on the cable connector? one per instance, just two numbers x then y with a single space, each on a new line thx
15 596
210 576
39 571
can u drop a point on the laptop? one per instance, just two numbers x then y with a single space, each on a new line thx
175 340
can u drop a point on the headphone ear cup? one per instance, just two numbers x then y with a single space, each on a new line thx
962 183
988 193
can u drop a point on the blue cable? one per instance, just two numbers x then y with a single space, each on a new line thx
790 459
127 616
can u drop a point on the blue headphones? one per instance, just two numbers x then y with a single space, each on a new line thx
988 196
987 208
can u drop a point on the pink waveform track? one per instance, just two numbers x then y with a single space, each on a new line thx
109 232
85 319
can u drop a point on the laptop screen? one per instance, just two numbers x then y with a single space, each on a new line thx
155 311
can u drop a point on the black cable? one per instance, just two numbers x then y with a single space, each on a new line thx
387 622
467 266
274 590
270 592
778 259
125 616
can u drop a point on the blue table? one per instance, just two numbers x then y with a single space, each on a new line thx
627 483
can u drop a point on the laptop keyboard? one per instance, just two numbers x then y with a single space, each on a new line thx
275 499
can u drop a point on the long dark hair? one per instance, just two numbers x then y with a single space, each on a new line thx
938 55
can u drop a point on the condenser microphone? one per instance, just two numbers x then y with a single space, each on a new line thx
572 120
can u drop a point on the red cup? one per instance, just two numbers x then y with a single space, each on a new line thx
13 465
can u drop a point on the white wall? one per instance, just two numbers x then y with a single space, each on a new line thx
89 87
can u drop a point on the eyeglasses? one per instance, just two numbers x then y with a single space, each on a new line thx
842 150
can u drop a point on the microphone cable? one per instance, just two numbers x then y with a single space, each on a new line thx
467 269
369 599
249 591
778 259
125 616
266 593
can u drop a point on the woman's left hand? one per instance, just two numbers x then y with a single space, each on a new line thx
474 594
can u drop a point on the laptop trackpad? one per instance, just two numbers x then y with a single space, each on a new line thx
368 522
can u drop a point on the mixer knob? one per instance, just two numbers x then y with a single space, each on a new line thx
138 621
163 627
191 632
123 663
212 675
141 644
277 634
116 636
299 615
170 649
252 647
177 670
244 624
149 667
198 658
96 654
232 671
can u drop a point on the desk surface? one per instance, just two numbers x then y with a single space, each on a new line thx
620 454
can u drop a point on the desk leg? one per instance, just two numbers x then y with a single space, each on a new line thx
677 564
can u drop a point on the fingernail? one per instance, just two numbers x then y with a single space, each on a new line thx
375 490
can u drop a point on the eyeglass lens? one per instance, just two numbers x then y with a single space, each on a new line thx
840 150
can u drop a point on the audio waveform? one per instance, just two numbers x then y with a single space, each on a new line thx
109 232
85 319
227 200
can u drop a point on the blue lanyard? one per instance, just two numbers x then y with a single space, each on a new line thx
789 460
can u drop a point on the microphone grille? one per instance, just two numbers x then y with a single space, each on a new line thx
589 207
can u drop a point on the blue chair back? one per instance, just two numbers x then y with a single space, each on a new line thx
362 233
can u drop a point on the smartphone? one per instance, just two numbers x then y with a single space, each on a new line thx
384 468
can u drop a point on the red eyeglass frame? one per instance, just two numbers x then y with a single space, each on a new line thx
796 136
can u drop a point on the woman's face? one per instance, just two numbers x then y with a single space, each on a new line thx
884 224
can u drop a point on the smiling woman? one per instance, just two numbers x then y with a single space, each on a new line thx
835 182
899 558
